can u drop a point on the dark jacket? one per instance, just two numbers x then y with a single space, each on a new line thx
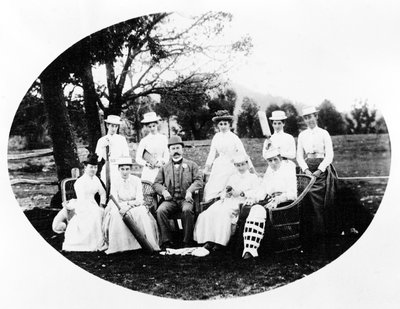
191 178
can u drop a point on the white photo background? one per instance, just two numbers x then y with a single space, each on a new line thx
356 44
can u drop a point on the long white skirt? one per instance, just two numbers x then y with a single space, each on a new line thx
117 235
217 223
221 170
83 232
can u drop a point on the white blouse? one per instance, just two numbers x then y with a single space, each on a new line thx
86 187
284 142
315 141
245 182
125 190
155 144
283 180
118 146
227 145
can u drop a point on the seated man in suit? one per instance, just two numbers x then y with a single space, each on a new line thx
176 182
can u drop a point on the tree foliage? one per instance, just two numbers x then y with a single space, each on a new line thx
362 119
193 108
248 124
330 119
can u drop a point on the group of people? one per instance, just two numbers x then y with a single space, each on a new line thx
233 187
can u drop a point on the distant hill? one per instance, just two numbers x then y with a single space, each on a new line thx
262 99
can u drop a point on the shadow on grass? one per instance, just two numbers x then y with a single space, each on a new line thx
193 278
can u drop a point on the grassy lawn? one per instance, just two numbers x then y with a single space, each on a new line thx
222 275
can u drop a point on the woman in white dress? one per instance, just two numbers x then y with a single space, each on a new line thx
215 225
280 185
280 140
155 145
127 190
81 218
118 147
226 145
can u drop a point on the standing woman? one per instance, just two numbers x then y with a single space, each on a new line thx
280 140
127 190
227 145
152 153
81 218
314 156
118 147
156 145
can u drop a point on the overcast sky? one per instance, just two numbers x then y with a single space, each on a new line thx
311 51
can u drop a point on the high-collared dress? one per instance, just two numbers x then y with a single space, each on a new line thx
315 151
118 148
226 145
83 231
218 222
117 235
284 142
157 146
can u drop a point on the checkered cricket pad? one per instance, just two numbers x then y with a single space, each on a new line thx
253 234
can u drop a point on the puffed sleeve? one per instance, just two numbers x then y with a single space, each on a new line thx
165 155
139 152
139 190
79 187
213 151
328 151
290 148
100 149
300 153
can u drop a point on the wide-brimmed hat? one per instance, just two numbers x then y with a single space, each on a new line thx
278 115
309 110
113 119
271 153
124 161
150 117
175 139
92 159
222 115
240 158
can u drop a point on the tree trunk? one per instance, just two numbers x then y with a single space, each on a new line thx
114 97
91 110
64 147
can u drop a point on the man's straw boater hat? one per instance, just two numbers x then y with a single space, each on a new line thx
278 115
271 153
113 119
309 110
222 115
150 117
124 161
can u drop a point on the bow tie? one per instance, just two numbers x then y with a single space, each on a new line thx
177 162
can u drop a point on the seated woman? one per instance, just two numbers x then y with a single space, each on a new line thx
279 183
215 226
81 218
127 190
